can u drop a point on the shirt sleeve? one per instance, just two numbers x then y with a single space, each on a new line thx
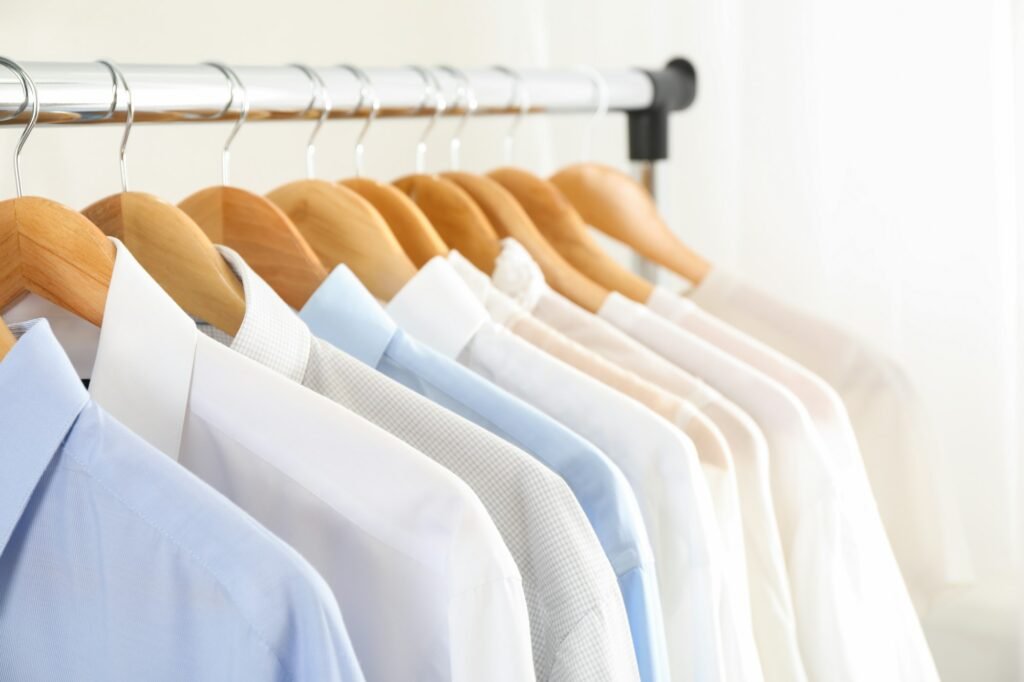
490 633
596 650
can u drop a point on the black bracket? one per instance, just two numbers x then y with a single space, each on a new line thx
675 88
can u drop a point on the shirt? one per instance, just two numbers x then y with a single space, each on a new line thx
117 564
344 313
823 403
899 449
854 615
577 619
660 462
772 608
420 572
711 446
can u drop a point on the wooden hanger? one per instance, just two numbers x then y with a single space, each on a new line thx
343 227
563 227
176 253
456 217
253 226
56 253
409 224
7 340
263 235
614 203
169 245
49 249
510 220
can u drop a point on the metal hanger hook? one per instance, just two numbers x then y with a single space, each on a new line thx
467 97
31 99
243 113
520 100
601 96
117 75
430 86
366 92
326 107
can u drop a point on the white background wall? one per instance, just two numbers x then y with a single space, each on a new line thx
856 158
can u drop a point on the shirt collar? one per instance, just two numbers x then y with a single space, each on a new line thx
501 308
271 333
437 307
517 274
40 398
342 312
144 352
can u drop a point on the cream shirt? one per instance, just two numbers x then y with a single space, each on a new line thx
854 615
900 450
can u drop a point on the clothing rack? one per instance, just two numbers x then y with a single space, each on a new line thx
84 93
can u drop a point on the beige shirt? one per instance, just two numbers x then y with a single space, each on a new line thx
898 446
854 616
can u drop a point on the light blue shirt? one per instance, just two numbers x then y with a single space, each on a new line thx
118 564
345 314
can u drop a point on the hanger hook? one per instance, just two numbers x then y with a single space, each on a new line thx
243 113
31 98
601 97
366 91
115 75
430 86
467 96
520 100
326 107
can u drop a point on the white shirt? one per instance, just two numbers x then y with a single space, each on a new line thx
576 609
658 460
899 451
854 616
771 599
422 576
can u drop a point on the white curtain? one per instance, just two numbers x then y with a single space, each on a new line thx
855 158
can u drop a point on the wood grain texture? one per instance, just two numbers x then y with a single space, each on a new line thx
458 219
412 228
263 235
510 219
55 252
563 227
616 204
343 227
176 253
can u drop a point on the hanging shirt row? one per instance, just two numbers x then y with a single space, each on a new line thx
447 464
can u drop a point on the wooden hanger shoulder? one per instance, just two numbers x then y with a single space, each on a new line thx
410 226
457 218
563 227
510 220
55 252
616 204
6 339
263 235
176 253
342 227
